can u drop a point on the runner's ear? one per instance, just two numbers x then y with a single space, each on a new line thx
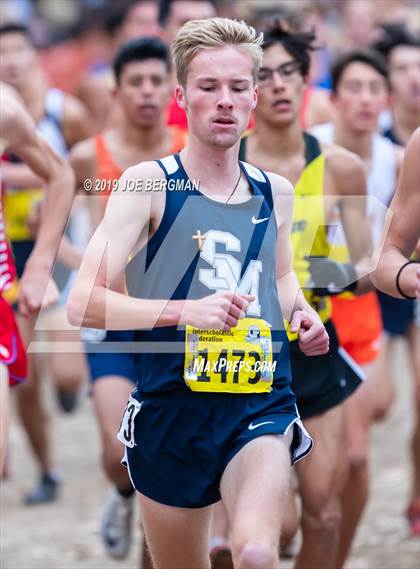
180 97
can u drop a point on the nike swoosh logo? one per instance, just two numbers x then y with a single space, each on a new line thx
255 221
251 427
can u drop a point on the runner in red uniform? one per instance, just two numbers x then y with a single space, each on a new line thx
18 135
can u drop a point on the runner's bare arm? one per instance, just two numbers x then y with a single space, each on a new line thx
55 172
19 176
92 303
17 127
400 237
349 180
76 121
313 339
82 159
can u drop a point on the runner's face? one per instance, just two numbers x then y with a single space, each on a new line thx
17 58
141 20
281 88
144 91
361 96
404 74
219 95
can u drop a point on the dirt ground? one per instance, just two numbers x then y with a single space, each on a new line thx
65 535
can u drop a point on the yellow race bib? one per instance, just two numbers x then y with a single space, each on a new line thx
237 361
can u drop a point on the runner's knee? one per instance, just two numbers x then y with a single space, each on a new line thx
325 525
384 403
358 458
67 377
255 554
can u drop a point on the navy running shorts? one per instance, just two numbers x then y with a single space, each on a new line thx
179 443
104 359
397 314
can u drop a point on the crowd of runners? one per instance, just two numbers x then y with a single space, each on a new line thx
212 228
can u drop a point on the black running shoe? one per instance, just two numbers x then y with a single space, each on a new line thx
67 400
46 491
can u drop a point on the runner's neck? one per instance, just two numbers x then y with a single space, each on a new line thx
282 141
216 168
144 139
405 122
359 143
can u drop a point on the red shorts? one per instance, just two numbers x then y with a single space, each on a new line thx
358 322
12 351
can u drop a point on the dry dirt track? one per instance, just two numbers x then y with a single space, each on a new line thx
65 535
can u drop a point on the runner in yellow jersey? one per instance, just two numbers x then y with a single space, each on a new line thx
62 121
17 134
325 176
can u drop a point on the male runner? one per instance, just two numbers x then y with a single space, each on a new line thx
122 21
360 92
398 276
325 177
204 420
402 50
62 121
143 88
17 134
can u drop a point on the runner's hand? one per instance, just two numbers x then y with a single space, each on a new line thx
313 338
329 278
36 289
218 311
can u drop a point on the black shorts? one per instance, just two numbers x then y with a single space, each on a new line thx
321 382
397 314
21 252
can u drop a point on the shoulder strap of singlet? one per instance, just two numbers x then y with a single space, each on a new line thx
259 176
312 148
259 181
242 148
103 157
174 200
169 165
390 135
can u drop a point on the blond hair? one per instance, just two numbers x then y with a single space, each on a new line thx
196 35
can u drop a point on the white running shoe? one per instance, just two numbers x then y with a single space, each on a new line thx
116 524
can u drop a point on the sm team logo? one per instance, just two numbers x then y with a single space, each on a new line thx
225 273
